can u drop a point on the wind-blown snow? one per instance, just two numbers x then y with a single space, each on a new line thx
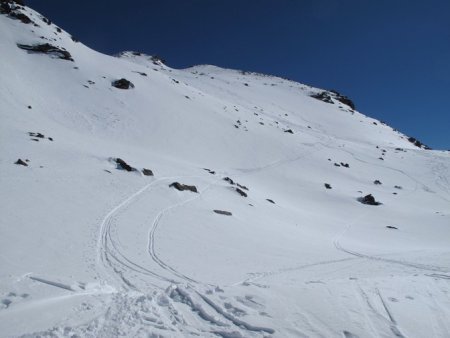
89 250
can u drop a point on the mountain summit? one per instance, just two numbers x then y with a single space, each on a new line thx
144 201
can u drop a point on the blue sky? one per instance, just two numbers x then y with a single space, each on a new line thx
391 57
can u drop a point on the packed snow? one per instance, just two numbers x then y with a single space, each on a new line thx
264 234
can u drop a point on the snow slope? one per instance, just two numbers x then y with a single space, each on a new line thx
92 251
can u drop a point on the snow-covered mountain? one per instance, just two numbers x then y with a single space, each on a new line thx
265 234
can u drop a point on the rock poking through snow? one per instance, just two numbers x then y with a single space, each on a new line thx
147 172
223 212
121 164
48 49
21 162
122 84
369 200
183 187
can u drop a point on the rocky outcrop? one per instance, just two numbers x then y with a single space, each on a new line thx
21 162
223 212
369 200
417 143
328 96
121 164
147 172
46 48
241 192
183 187
122 84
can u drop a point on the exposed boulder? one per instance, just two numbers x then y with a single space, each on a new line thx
377 182
147 172
46 48
39 135
241 192
327 186
328 96
269 200
12 9
343 99
369 200
417 143
121 164
21 162
229 180
183 187
242 186
223 212
122 84
289 131
323 96
391 227
157 60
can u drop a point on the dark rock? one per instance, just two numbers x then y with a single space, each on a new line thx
183 187
289 131
48 49
21 17
397 187
329 96
122 84
29 107
47 21
229 180
417 143
377 182
36 135
369 200
269 200
327 185
223 212
11 8
121 164
21 162
323 96
157 60
242 186
391 227
337 165
240 192
346 165
147 172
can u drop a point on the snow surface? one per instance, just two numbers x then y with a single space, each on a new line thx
87 250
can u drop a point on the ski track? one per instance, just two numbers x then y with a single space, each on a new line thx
109 255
